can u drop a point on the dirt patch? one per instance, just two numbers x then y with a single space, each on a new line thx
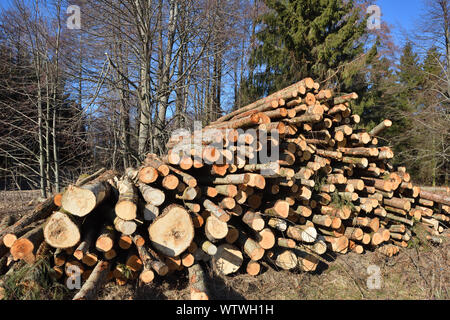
17 203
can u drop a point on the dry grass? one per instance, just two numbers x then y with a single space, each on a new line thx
415 273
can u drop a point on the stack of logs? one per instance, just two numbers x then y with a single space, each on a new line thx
218 197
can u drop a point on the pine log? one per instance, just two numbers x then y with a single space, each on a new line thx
10 238
216 210
41 211
95 281
150 261
105 240
265 103
337 244
286 260
302 233
307 262
26 246
254 220
125 227
155 162
173 231
379 128
170 182
250 247
215 229
150 212
80 201
87 240
253 268
265 238
152 195
147 174
126 206
279 209
61 231
228 259
278 224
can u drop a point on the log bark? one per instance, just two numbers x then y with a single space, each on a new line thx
439 198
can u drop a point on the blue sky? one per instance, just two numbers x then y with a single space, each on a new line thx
400 15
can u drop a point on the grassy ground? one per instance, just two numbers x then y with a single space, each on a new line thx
415 273
419 272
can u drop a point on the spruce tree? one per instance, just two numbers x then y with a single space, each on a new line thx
316 38
407 101
434 136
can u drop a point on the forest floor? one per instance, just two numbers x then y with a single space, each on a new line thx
421 271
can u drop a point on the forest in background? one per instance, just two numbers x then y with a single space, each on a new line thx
74 100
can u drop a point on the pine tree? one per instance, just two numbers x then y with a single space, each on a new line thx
434 136
382 80
316 38
401 134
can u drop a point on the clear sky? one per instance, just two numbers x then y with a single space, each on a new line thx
400 15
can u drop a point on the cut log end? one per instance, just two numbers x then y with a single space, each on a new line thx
60 231
173 231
